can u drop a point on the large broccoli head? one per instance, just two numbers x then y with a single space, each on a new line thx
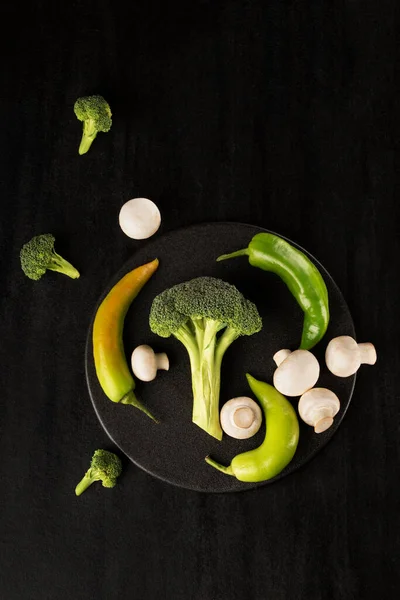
203 298
206 315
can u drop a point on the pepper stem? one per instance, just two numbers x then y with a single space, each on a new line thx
130 398
213 463
244 252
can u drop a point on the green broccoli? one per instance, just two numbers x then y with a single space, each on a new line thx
206 315
105 467
38 255
95 113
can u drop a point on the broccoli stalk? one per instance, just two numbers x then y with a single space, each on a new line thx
206 356
38 255
105 467
206 315
88 135
59 264
95 113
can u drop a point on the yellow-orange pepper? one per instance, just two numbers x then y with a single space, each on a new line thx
110 362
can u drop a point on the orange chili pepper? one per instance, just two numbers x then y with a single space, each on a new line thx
110 362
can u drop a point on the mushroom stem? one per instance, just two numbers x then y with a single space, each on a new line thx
323 424
243 417
162 361
280 356
367 353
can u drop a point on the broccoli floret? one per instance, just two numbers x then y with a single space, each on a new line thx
105 467
38 255
206 315
95 113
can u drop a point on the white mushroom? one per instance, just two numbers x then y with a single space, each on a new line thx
297 372
145 362
241 417
317 407
344 356
139 218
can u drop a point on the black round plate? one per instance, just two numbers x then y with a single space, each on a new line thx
174 450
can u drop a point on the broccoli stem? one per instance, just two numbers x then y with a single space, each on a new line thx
88 136
59 264
206 353
85 482
207 386
130 398
206 380
226 339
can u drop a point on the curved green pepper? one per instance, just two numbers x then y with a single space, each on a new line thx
274 254
110 362
280 442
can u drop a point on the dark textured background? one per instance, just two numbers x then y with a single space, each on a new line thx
283 114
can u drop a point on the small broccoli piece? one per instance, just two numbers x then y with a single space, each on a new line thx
38 255
105 467
206 315
95 113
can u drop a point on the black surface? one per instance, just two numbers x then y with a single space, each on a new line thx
174 450
282 114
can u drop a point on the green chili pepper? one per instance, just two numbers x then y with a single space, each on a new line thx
274 254
280 442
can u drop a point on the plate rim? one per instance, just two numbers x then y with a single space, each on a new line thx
88 352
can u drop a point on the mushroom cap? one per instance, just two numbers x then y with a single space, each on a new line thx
342 356
139 218
143 362
317 407
297 373
241 417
